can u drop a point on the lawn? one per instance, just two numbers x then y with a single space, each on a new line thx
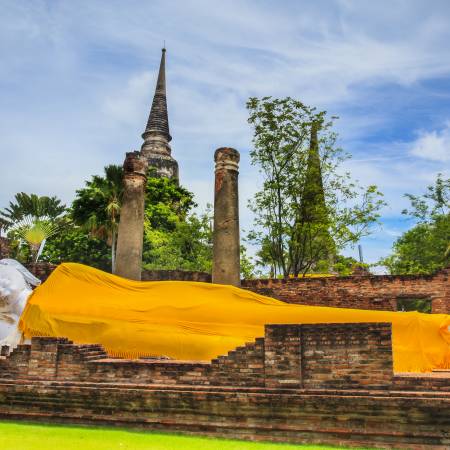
25 436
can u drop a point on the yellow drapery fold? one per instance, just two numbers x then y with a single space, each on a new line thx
199 321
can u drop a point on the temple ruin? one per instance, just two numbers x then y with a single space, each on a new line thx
316 383
156 136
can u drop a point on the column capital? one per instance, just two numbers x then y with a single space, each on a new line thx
135 164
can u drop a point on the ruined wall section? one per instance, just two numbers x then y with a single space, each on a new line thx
344 356
176 275
373 292
4 248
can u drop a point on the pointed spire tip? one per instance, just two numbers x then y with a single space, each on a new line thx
158 121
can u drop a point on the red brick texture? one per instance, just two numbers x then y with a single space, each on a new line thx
299 383
4 248
378 292
346 356
41 269
175 275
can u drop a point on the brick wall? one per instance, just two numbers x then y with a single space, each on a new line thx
321 356
361 292
283 356
339 389
346 356
409 422
41 269
175 275
4 248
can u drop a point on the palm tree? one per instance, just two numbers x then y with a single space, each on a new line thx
97 206
33 219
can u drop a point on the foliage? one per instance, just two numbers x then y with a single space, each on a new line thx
248 270
424 248
188 246
31 205
97 206
422 305
32 219
166 203
295 229
76 244
434 203
173 238
342 266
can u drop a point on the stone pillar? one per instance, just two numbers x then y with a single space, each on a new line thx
131 227
226 251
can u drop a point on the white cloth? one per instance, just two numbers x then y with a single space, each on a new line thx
14 292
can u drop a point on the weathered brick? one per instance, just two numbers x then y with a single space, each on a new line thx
373 292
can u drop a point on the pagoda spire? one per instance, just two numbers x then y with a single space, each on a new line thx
158 120
313 218
156 136
313 201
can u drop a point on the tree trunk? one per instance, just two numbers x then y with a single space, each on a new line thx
113 252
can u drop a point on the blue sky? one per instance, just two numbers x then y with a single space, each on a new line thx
77 80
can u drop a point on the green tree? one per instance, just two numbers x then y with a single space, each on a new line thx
166 203
97 206
31 219
248 270
187 246
434 203
76 244
174 238
308 208
424 248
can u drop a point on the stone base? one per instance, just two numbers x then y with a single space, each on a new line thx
162 166
329 383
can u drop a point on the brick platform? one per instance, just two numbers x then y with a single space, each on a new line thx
299 383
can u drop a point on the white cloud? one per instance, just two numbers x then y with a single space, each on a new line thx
433 145
127 104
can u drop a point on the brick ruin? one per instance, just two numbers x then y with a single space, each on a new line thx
378 292
176 275
330 383
323 383
4 248
299 383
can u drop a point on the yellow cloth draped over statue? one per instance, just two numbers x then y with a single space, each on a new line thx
199 321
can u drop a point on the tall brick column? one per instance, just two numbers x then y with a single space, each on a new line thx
131 227
226 254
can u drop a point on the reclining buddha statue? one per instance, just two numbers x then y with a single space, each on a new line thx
185 320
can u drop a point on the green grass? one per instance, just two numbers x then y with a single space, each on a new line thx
26 436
